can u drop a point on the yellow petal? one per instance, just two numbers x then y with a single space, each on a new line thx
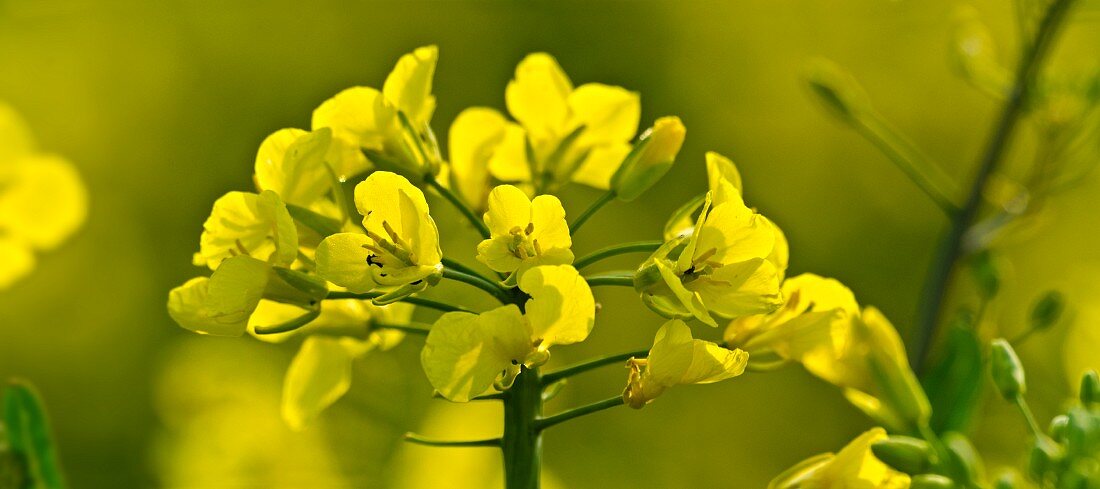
689 302
538 96
610 114
247 223
496 254
780 255
678 359
509 163
738 289
474 137
409 85
735 234
342 260
222 304
42 200
509 208
548 216
319 375
291 163
721 172
16 261
465 353
359 118
15 137
561 309
388 199
600 164
652 158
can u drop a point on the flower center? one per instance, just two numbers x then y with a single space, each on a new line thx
390 251
523 245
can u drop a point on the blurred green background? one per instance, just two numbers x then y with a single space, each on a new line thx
162 106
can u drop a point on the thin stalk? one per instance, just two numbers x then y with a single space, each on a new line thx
952 248
591 210
457 202
598 406
522 442
579 368
915 164
621 279
420 440
412 327
1029 417
482 283
619 249
419 301
449 263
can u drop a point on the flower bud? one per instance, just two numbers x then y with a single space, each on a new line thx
964 457
1007 480
985 274
1090 389
1058 427
1008 373
931 481
904 454
838 90
650 159
1047 310
1044 455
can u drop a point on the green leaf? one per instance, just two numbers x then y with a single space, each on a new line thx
954 382
29 434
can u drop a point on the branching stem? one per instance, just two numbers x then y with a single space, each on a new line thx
419 301
615 250
591 210
579 368
598 406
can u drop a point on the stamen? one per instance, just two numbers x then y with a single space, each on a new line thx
538 249
240 246
530 228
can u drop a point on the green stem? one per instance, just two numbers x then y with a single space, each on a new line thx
953 246
419 301
619 249
591 210
622 279
905 155
1025 410
482 229
598 406
556 375
419 440
522 442
449 263
482 283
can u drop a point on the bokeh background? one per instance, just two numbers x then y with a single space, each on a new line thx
162 105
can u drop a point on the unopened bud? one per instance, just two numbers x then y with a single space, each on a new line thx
1044 455
837 90
1047 310
985 274
1008 373
931 481
964 457
1090 389
650 159
904 454
1058 427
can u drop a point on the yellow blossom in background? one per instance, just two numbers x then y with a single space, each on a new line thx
524 232
42 199
392 122
473 139
320 373
292 163
677 359
400 249
466 354
854 467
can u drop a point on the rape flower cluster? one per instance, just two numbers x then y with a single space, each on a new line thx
290 261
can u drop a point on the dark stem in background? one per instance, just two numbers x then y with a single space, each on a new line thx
953 247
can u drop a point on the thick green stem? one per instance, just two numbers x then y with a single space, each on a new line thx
953 247
522 442
591 210
565 372
498 292
621 279
457 202
619 249
419 301
598 406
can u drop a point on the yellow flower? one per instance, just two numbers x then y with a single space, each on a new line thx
242 223
677 359
474 137
320 374
524 232
650 160
363 118
400 249
723 267
564 133
42 199
221 304
466 354
292 163
854 467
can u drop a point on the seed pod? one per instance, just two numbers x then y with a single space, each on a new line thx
1008 373
904 454
931 481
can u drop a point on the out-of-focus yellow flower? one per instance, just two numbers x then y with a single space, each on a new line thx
474 137
677 359
400 250
563 133
723 267
466 354
221 304
42 199
524 232
320 373
854 467
650 159
363 118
